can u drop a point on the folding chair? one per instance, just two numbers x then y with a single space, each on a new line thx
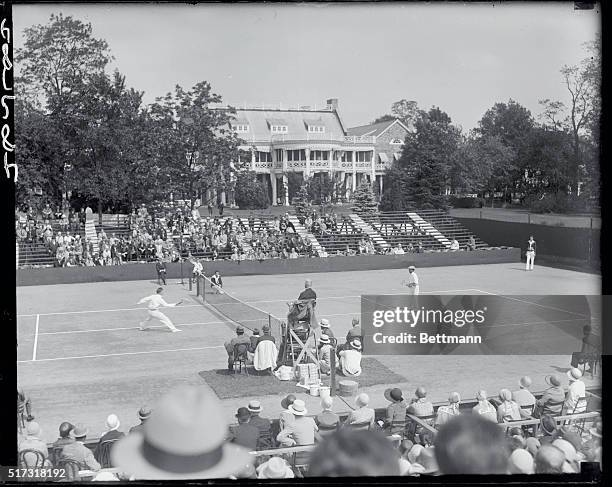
240 357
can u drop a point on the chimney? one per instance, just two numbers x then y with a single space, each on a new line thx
332 104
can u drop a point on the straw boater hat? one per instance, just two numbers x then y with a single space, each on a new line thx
324 339
324 323
356 344
254 407
574 374
144 413
183 439
275 468
298 408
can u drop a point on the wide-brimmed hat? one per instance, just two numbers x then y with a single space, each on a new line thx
552 380
521 461
548 424
567 448
362 399
275 468
254 406
183 439
324 338
324 323
32 428
298 408
144 413
355 343
525 381
287 401
393 394
574 374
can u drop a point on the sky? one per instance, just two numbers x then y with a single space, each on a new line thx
461 57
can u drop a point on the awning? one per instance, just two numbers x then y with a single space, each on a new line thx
383 157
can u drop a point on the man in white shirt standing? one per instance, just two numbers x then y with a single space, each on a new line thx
155 301
575 398
412 283
531 251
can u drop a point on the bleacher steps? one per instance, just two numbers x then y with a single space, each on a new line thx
369 230
305 234
90 232
429 229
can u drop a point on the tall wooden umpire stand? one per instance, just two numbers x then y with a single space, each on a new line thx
298 340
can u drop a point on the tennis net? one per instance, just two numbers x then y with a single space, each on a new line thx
236 310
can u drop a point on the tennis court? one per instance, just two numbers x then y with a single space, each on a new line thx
81 355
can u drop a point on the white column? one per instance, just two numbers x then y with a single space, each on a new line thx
252 160
286 184
307 172
273 181
354 183
380 185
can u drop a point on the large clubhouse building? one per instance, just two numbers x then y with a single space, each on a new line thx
312 142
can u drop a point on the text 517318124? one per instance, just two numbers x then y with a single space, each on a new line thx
8 474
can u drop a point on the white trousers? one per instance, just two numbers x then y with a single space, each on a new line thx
158 315
530 259
413 291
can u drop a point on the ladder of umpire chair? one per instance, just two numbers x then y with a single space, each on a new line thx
304 352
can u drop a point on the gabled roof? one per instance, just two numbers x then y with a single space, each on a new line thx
375 129
297 121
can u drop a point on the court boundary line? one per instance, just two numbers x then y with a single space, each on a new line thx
118 354
534 304
35 339
60 313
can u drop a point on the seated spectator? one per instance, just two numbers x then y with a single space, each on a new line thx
532 445
323 253
264 425
445 413
399 250
32 441
325 353
548 429
508 410
549 459
240 338
524 398
327 420
354 453
254 340
521 462
363 414
302 430
395 419
275 468
572 458
244 434
112 434
326 328
420 406
184 440
266 335
286 416
78 452
293 254
484 408
471 244
469 444
552 400
355 331
64 435
143 414
575 398
350 359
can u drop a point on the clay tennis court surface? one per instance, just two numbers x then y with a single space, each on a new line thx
82 357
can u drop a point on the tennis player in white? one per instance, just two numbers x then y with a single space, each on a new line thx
412 283
155 302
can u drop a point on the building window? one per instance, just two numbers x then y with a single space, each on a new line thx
319 155
241 128
279 155
263 156
397 142
313 129
364 156
347 156
296 155
279 129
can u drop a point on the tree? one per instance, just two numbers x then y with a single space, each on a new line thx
301 201
364 200
197 150
420 177
384 118
407 111
250 193
321 188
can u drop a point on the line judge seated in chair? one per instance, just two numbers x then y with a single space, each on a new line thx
240 338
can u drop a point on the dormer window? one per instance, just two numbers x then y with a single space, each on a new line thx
316 129
397 142
279 129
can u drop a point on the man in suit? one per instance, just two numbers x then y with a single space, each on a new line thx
229 346
264 425
77 451
143 414
102 451
161 271
244 434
